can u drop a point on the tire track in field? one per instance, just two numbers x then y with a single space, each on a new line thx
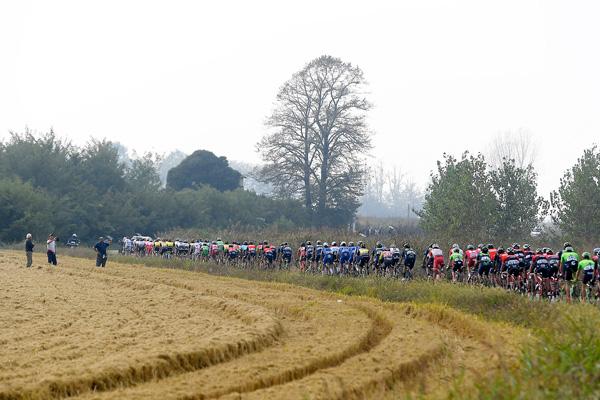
265 331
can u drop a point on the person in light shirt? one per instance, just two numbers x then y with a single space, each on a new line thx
51 249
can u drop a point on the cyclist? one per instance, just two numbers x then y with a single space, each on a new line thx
310 254
456 263
513 268
301 255
328 259
363 258
376 255
585 269
437 255
345 257
471 258
286 255
318 252
569 262
409 257
542 272
484 262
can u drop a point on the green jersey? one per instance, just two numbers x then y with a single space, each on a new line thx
570 259
456 257
587 266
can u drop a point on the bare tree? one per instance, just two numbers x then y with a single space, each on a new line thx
289 149
340 135
318 137
517 146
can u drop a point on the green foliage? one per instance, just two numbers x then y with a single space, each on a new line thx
519 208
52 186
460 200
466 200
23 209
576 202
204 168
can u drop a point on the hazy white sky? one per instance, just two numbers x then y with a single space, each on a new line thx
444 75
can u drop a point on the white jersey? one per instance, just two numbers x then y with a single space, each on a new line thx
437 253
51 245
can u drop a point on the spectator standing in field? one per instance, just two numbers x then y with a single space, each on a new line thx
51 249
29 249
101 255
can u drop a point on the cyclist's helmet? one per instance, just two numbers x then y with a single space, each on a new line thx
308 243
456 250
510 251
597 251
516 246
566 244
470 247
379 245
480 245
266 243
539 251
490 246
245 243
218 239
406 245
351 244
435 246
500 250
362 245
586 255
484 250
318 242
343 244
526 246
325 244
455 246
333 243
549 252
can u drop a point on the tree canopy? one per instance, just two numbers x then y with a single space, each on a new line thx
203 167
576 202
466 200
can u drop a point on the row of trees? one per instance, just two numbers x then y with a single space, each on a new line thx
466 199
469 198
49 185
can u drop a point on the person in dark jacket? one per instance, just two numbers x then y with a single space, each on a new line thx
101 255
29 249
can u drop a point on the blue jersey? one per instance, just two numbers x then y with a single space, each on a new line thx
328 255
353 252
344 254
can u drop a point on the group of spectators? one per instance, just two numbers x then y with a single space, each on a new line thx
100 248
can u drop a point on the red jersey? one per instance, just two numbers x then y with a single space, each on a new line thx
492 253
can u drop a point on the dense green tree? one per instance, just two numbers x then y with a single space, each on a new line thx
23 209
459 202
142 174
577 201
519 208
100 166
203 167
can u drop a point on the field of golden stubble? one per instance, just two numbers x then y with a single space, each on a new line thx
133 332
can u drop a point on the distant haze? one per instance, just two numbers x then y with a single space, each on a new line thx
444 76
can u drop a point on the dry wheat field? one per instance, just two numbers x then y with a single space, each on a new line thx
133 332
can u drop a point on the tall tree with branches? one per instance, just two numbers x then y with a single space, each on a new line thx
319 136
